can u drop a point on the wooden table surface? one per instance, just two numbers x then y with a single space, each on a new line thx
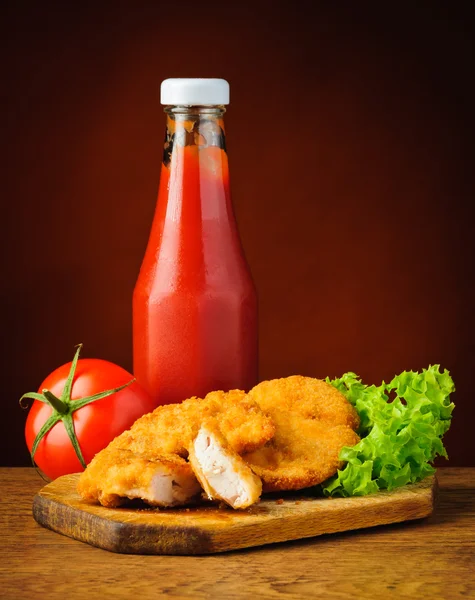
432 558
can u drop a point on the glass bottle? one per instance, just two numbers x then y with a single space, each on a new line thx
194 303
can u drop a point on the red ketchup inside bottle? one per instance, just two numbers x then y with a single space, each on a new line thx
194 303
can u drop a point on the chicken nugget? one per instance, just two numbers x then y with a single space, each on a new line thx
116 475
223 474
313 422
169 429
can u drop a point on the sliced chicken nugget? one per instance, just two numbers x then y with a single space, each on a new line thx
115 476
223 474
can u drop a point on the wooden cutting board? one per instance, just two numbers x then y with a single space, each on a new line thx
209 529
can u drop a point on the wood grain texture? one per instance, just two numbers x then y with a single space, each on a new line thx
211 529
431 558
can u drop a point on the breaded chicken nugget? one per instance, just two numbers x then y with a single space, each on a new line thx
221 471
116 475
313 422
169 429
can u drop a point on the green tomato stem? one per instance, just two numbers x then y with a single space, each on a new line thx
69 426
58 405
66 395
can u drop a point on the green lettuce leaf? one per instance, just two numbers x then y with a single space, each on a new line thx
402 424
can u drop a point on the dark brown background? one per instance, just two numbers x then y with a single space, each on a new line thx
351 153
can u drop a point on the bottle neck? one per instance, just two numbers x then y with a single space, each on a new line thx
201 127
194 183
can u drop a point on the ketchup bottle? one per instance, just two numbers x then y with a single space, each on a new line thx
194 303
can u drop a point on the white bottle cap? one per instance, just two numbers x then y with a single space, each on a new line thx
194 92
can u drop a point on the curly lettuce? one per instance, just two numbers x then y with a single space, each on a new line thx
402 424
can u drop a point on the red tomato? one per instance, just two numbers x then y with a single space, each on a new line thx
95 424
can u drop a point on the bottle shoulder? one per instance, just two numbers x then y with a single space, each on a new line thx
165 278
